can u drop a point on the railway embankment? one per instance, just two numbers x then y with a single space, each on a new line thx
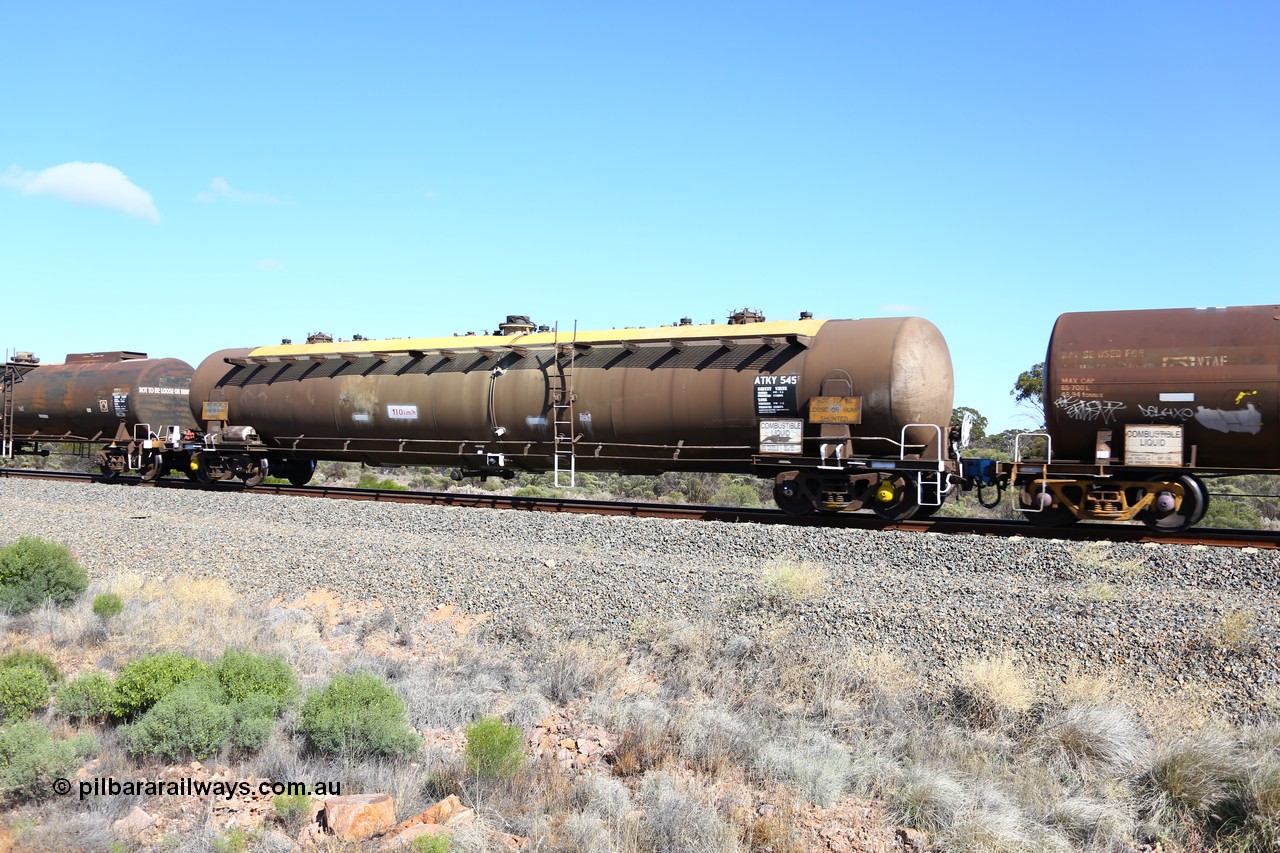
1190 622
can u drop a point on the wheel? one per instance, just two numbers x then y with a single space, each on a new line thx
103 462
790 497
895 499
301 476
1195 502
153 470
196 471
253 472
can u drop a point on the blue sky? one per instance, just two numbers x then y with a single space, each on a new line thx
265 170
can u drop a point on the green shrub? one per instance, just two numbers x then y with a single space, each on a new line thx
536 491
255 718
107 605
737 494
147 680
437 843
30 759
23 691
1225 512
369 480
188 721
494 749
357 716
234 840
30 657
85 697
293 810
244 674
33 569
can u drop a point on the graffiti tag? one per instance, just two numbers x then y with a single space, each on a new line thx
1089 410
1169 413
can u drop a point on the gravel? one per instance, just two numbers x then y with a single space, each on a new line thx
1157 615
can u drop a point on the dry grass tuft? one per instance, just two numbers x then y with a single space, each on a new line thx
715 739
579 668
783 580
1190 780
926 799
199 616
1099 592
1096 739
814 764
1092 823
1098 558
993 691
643 729
678 816
1236 631
861 680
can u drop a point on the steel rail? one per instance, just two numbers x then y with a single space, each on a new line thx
1007 528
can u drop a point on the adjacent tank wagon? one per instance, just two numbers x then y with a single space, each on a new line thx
134 408
1138 404
839 412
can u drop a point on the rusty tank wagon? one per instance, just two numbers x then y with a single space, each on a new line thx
1141 405
840 413
132 409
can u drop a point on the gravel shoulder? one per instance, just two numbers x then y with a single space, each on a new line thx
1164 619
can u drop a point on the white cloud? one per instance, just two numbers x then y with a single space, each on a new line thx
94 184
221 190
270 265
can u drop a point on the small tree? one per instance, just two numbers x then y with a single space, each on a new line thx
979 429
1029 386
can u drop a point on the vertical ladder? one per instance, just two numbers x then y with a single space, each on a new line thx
564 459
11 378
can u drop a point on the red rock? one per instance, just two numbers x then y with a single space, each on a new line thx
133 823
448 812
356 817
405 838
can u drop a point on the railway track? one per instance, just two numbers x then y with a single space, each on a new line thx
1262 539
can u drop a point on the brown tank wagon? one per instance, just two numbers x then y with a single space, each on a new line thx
841 413
1138 402
134 408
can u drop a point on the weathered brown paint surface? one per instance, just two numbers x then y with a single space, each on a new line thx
656 394
1218 371
76 398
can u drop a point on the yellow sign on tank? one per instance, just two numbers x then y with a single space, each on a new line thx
835 410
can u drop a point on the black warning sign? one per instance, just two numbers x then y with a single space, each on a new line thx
776 395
